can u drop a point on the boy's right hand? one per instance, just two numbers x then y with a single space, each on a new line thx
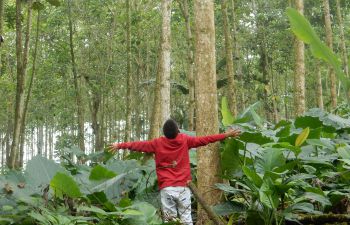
232 132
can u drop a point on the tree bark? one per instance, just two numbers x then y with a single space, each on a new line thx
319 91
190 63
22 59
229 60
40 141
2 3
299 71
128 74
77 83
164 62
342 42
206 103
29 91
329 40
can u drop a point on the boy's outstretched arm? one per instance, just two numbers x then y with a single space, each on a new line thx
194 142
139 146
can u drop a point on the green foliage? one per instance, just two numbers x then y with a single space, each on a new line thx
64 184
286 171
101 173
227 117
304 31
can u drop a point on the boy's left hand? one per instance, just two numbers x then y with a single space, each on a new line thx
112 148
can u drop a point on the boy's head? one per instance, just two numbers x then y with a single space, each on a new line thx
170 129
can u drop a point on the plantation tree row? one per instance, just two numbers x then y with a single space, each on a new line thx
86 73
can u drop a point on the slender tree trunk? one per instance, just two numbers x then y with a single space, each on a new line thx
229 60
22 58
96 100
190 63
342 42
40 141
206 103
299 71
50 142
77 83
164 62
2 3
128 74
329 40
319 90
29 92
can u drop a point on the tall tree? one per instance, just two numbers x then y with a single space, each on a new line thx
22 59
229 60
77 82
190 62
342 40
164 61
329 40
299 71
128 74
161 103
2 3
206 102
29 91
319 89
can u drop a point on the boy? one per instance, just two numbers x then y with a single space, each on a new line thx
173 166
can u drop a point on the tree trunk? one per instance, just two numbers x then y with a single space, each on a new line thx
128 74
31 80
190 63
96 100
164 61
40 141
299 71
329 40
229 60
161 103
342 42
319 90
206 103
1 31
77 83
22 58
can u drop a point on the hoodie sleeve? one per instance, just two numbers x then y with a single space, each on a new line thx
139 146
194 142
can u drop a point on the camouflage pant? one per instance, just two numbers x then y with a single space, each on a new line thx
176 202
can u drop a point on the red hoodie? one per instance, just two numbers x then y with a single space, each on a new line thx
171 155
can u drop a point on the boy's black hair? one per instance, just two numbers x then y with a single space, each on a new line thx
170 129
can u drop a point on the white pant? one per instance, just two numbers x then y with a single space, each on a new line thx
176 201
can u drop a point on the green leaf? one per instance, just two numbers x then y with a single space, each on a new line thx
93 209
253 176
54 2
227 118
254 137
228 189
314 197
270 159
40 171
101 173
344 151
230 157
302 137
64 184
304 31
38 6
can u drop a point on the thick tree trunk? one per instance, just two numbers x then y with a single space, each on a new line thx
319 91
161 103
342 42
299 71
22 59
229 60
190 63
128 74
206 103
329 40
164 62
77 83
